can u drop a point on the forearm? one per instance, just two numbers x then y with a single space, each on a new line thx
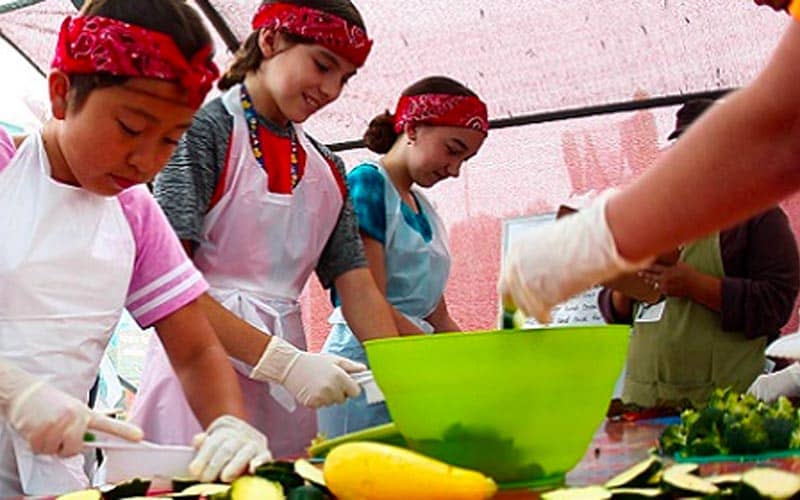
201 364
211 386
706 290
621 307
441 320
367 312
708 180
403 324
240 339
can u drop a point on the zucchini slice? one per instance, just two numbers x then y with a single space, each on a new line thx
255 488
638 475
307 492
772 483
725 480
683 484
307 471
181 483
636 493
206 489
82 495
133 488
280 472
588 493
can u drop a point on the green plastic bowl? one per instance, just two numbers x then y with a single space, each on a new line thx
521 406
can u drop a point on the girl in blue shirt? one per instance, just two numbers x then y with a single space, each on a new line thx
438 124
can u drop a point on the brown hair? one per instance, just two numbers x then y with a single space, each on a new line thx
380 135
171 17
249 57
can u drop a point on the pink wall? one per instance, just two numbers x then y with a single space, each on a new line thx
525 171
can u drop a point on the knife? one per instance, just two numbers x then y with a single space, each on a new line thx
367 382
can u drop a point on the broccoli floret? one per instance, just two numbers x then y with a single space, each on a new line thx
706 446
746 435
672 440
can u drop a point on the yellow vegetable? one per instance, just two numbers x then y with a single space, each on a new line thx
82 495
371 471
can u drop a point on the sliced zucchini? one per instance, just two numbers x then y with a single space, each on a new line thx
693 469
255 488
588 493
206 489
725 480
636 493
133 488
638 475
181 483
280 472
82 495
676 479
307 471
307 492
655 481
772 483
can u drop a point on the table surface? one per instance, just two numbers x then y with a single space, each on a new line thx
619 445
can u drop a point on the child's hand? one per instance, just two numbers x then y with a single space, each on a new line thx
313 379
229 448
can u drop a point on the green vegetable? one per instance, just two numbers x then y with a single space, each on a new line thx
307 492
133 488
588 493
772 483
207 489
255 488
280 472
637 476
732 423
636 493
683 483
81 495
181 483
307 471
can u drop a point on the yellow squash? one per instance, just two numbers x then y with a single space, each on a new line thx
371 471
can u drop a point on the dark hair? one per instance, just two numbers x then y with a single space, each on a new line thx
171 17
380 135
249 57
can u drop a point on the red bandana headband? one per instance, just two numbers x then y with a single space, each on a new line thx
332 32
94 44
443 110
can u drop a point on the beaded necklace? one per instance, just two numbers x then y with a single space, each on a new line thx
253 123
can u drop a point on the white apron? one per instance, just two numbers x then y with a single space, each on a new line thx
258 250
416 276
65 266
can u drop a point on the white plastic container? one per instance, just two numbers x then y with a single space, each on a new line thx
159 463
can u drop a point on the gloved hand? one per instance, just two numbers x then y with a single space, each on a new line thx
229 448
313 379
770 387
52 421
552 263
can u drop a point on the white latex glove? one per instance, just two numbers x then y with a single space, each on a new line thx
551 263
770 387
229 448
52 421
313 379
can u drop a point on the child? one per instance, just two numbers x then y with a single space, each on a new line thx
739 159
437 126
260 205
86 239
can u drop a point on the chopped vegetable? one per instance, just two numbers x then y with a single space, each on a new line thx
82 495
280 472
682 483
255 488
636 493
772 483
207 489
133 488
588 493
181 483
307 492
310 473
638 475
